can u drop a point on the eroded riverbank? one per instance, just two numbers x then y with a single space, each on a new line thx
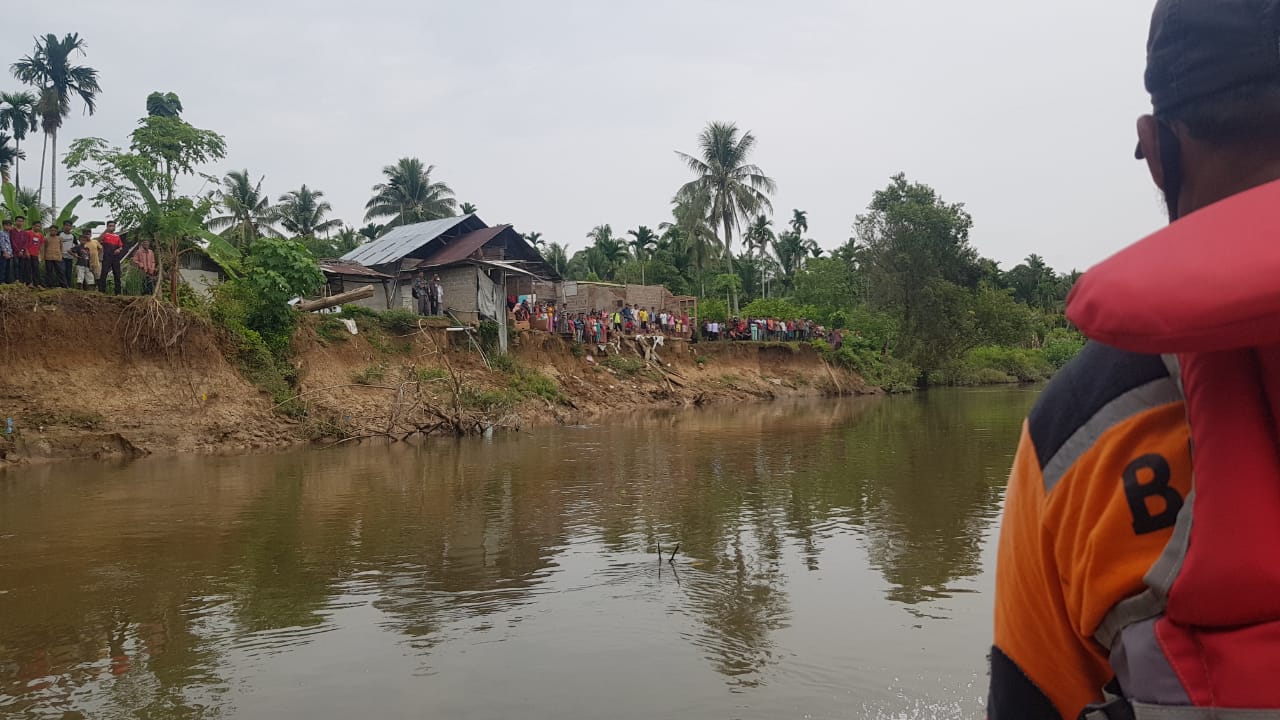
86 387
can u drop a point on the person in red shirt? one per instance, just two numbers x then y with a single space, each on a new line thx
34 246
112 253
145 260
20 240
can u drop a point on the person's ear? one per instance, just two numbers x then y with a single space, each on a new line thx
1149 146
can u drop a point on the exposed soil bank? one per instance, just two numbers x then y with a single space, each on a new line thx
79 381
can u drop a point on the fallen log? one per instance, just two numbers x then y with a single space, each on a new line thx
339 299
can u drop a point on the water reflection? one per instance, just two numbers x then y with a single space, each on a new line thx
201 587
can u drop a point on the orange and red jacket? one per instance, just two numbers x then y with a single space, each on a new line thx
1114 567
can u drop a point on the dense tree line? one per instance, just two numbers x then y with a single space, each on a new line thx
921 304
919 301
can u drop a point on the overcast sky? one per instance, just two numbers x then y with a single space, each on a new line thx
559 115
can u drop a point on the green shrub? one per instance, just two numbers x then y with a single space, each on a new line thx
489 337
355 312
401 322
431 374
1023 365
1061 346
579 350
624 365
331 329
861 355
488 400
504 364
529 383
712 309
371 375
992 376
264 364
779 308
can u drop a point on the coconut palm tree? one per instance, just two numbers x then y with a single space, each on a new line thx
692 233
303 211
409 196
50 68
347 240
557 256
610 251
734 189
467 208
372 231
250 214
18 114
643 241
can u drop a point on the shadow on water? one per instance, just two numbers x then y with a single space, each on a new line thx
173 587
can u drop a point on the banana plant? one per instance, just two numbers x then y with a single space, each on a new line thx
14 206
181 219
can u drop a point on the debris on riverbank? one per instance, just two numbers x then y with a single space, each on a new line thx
84 385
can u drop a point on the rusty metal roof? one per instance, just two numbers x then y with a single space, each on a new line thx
464 247
339 267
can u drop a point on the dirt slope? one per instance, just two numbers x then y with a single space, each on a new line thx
80 380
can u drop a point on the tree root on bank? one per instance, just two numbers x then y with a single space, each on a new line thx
413 411
149 325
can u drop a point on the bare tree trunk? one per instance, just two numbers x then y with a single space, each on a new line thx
44 152
173 276
53 172
17 164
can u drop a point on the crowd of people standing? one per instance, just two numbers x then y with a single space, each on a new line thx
61 257
600 326
764 330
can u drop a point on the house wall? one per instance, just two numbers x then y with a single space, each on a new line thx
201 281
598 297
461 284
376 301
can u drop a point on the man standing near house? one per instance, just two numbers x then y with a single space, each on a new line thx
435 295
421 292
51 254
145 260
6 253
112 254
67 236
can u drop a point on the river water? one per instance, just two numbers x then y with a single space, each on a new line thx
834 560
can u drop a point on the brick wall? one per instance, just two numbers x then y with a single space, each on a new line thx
460 291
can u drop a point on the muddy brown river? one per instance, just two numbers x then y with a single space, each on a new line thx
832 559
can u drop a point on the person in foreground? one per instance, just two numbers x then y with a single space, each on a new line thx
1124 589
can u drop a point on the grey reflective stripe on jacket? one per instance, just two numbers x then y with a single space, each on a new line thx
1142 711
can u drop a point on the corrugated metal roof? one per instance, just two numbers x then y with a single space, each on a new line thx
339 267
461 248
402 240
